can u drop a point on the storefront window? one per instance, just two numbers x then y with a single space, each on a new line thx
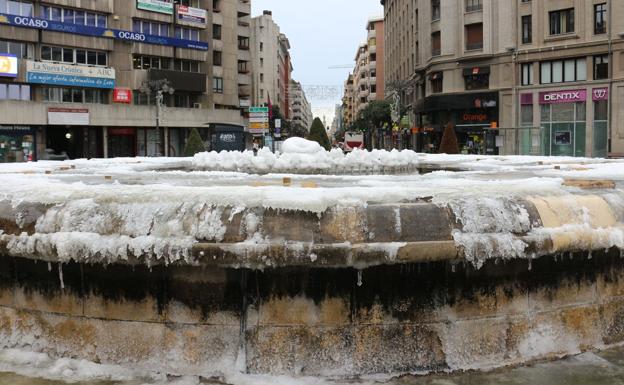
601 129
17 144
564 127
477 82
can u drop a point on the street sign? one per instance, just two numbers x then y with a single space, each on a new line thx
278 123
253 110
259 126
258 120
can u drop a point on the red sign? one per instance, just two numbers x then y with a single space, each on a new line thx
122 95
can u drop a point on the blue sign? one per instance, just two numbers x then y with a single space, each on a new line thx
57 26
69 80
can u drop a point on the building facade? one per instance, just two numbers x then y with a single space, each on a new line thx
367 82
300 107
514 77
84 78
272 67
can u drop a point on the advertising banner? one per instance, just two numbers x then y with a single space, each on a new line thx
156 6
122 95
56 26
8 65
192 16
68 116
69 75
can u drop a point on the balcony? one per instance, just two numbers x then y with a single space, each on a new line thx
474 7
363 93
372 49
372 96
372 33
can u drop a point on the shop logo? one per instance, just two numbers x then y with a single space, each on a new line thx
131 36
600 94
560 96
28 22
474 117
483 103
228 138
8 65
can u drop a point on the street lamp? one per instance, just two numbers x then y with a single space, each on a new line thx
158 88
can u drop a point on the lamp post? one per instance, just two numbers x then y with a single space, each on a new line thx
159 88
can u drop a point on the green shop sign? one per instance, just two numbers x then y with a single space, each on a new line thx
156 6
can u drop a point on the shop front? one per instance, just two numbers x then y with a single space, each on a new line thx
474 115
146 142
17 144
572 122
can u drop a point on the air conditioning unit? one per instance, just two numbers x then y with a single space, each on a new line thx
197 105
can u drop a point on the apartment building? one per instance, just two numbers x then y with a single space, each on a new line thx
84 78
367 83
515 77
348 102
272 66
300 107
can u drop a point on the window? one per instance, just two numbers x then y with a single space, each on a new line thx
243 43
436 44
601 67
261 46
73 16
436 83
600 18
527 74
474 36
14 92
216 31
562 21
261 78
261 62
21 8
217 85
189 3
560 71
473 5
217 58
185 65
74 95
18 49
215 6
73 56
527 29
187 33
435 10
141 62
150 27
477 81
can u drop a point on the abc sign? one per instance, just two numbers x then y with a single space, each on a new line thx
8 66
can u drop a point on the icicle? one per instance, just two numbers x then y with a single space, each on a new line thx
453 268
530 263
49 266
621 253
60 271
590 255
359 278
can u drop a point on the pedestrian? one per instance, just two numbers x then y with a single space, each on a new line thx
255 148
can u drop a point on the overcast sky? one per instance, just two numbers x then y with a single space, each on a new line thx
322 33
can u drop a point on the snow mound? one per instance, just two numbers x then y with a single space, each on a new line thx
300 146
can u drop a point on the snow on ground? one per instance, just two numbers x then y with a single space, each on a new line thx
109 209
